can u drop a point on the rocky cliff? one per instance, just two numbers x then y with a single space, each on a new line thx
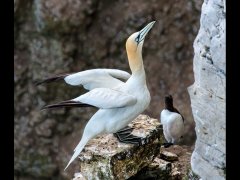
207 94
54 36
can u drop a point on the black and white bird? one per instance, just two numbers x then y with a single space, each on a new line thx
119 102
172 121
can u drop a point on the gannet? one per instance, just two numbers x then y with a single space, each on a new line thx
119 102
172 121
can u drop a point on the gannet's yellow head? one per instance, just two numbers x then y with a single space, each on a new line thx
135 41
134 47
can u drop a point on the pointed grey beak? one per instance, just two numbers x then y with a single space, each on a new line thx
144 32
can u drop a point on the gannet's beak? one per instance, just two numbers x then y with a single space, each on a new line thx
144 32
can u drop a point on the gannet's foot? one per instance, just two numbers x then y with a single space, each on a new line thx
124 135
166 145
126 130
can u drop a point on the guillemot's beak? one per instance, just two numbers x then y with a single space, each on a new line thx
144 31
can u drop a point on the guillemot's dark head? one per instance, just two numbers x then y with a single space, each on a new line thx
169 102
169 105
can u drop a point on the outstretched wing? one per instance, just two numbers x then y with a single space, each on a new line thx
90 79
103 98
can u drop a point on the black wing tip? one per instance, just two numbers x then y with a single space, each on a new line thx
58 105
66 104
50 79
37 83
52 106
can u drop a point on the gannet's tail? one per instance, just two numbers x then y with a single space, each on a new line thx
77 150
89 132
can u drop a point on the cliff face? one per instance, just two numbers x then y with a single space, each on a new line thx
53 36
208 92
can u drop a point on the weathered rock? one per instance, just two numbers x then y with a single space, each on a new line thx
192 176
158 169
78 176
106 158
175 174
208 93
176 170
180 167
168 156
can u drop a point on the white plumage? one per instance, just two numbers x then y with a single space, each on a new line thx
95 78
119 102
105 98
172 121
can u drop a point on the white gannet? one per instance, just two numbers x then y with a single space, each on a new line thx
172 121
119 102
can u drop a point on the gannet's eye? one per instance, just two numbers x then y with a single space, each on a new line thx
137 39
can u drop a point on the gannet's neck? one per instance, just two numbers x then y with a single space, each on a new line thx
134 49
135 59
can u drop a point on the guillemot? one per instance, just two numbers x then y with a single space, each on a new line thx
172 121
